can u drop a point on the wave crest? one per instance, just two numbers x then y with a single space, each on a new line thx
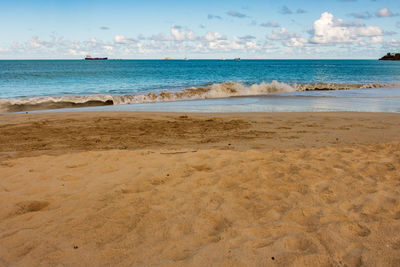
216 90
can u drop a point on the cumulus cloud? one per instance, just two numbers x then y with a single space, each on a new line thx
121 39
295 42
3 49
236 14
385 12
288 39
282 34
214 36
177 34
35 42
57 47
392 44
389 33
181 40
329 30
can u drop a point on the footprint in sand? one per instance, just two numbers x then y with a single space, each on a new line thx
353 258
158 181
30 206
300 243
355 229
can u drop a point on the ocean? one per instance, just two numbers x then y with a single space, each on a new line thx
200 85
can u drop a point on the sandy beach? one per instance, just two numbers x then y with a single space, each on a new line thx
174 189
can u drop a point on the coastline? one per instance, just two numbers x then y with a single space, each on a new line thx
140 188
215 91
231 99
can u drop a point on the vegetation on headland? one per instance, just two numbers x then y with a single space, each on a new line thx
391 56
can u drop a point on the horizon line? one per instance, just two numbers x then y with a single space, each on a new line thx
182 59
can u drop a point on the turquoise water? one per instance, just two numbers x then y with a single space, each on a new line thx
44 84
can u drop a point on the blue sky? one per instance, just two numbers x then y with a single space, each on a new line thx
199 29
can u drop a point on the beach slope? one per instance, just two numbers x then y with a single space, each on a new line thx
265 189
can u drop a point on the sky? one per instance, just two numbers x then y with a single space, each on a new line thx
256 29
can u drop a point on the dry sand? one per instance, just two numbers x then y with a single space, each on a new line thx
100 189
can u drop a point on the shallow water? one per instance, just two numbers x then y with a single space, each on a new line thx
357 100
47 84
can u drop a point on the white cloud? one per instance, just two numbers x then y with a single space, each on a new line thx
329 30
385 12
35 42
393 44
288 39
177 34
190 35
121 39
212 36
77 53
4 49
295 42
181 40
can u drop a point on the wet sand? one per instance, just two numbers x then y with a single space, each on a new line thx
258 189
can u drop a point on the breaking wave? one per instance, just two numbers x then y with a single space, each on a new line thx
217 90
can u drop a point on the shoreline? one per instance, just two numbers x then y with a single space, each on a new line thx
214 91
61 132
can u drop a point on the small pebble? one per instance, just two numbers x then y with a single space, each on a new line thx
76 247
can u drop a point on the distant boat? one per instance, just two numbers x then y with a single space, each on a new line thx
167 58
185 58
95 58
223 58
236 59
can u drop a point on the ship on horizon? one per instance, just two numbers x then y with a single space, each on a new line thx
88 57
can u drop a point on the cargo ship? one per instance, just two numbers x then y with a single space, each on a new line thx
95 58
391 56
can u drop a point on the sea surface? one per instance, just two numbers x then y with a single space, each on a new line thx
200 85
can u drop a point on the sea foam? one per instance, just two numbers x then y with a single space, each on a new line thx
216 90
